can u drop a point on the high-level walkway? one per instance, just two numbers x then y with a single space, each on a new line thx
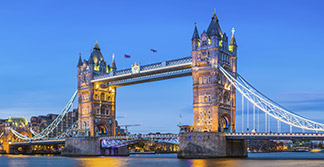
147 73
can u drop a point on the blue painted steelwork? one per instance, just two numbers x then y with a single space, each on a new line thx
276 136
269 107
119 141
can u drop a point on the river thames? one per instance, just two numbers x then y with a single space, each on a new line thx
292 159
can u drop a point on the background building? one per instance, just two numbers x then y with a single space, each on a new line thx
39 123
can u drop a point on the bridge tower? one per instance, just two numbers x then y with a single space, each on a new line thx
213 96
96 100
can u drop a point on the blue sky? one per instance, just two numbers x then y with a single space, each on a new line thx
280 50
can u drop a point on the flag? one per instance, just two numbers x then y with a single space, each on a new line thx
127 56
153 50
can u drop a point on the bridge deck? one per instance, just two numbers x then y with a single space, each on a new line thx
276 136
39 142
246 136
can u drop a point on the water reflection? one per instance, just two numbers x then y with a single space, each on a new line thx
165 160
102 161
214 162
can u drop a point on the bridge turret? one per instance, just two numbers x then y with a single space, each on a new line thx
233 49
214 98
214 32
103 67
225 42
96 100
79 64
113 64
91 64
195 39
233 45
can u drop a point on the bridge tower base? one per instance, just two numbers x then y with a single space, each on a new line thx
90 146
210 145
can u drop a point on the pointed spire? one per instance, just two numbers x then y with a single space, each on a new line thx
80 60
214 28
195 34
233 41
113 64
214 15
96 46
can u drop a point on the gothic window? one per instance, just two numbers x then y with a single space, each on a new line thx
200 80
102 97
103 110
108 98
208 79
204 43
208 98
97 111
204 55
96 96
205 80
205 99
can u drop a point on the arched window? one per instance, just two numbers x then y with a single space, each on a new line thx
103 110
108 98
102 97
200 80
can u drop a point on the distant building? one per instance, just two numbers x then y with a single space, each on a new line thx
119 130
39 123
186 128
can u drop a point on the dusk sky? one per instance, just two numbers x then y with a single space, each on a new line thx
280 52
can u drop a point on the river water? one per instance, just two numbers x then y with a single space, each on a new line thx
292 159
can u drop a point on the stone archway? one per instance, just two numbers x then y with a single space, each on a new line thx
224 123
101 130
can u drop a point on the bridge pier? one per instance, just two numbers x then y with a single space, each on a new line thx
20 149
210 145
90 146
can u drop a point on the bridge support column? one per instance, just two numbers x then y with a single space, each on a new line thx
81 146
90 146
210 145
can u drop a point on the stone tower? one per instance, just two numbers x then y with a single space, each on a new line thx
213 96
96 100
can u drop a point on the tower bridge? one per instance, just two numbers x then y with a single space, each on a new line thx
213 67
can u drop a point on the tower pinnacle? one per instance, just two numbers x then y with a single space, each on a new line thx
195 34
80 60
233 41
96 46
113 64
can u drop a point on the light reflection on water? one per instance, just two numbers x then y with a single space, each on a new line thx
166 160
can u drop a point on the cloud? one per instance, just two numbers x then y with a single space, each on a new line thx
303 101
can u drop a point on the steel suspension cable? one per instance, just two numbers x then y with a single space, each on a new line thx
272 109
242 113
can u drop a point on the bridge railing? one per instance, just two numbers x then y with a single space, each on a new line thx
122 72
148 67
277 134
37 141
141 136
